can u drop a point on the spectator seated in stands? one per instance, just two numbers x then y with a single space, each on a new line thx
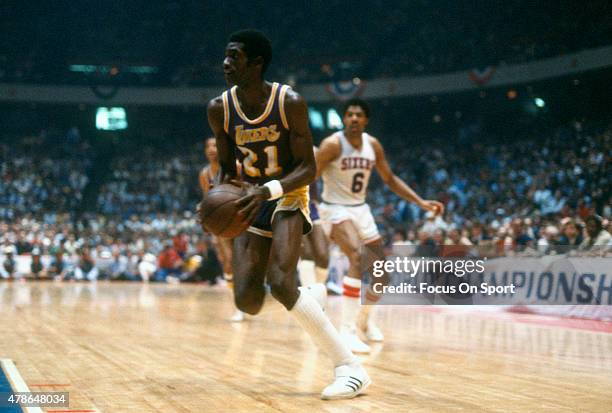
597 239
169 265
59 267
181 243
117 270
209 269
85 269
37 269
548 243
571 237
147 267
9 266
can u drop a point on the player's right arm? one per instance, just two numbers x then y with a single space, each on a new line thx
225 146
328 152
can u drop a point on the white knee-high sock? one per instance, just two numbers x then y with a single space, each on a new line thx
321 274
311 317
306 269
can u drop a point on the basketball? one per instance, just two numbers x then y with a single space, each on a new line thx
218 215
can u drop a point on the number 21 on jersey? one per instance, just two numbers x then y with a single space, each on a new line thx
250 158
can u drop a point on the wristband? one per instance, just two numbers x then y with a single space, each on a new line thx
276 189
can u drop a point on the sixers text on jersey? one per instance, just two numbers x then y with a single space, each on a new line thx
346 178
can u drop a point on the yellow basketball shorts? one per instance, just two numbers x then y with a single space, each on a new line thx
296 200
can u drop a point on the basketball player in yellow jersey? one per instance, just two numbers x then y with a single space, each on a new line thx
223 246
265 126
345 161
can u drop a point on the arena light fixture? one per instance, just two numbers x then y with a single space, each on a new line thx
111 118
334 121
316 119
140 70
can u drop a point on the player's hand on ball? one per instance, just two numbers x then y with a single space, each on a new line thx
434 206
250 203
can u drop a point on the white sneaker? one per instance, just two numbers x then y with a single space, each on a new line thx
334 288
318 292
351 380
373 333
354 342
237 317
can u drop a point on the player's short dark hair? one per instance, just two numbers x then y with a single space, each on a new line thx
255 44
357 102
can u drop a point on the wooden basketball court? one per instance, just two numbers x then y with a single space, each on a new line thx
163 348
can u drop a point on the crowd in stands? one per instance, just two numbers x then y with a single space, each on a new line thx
162 248
150 182
527 189
34 180
175 38
535 195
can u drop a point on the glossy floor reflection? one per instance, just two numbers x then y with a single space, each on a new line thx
162 348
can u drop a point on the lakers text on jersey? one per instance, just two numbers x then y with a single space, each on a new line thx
262 144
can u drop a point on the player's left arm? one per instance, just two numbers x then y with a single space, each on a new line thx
301 144
397 185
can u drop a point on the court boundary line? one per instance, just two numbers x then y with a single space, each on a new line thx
17 382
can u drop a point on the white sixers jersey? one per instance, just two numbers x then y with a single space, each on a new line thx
345 179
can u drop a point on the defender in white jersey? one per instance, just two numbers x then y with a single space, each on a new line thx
345 161
345 180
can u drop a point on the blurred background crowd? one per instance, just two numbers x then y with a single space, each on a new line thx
180 42
531 196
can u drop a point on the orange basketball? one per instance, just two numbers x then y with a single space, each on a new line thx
219 215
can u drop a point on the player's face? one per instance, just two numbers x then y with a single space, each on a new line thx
234 63
355 119
211 150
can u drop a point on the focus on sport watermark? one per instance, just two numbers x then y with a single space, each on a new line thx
412 279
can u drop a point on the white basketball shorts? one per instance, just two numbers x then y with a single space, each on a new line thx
361 215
